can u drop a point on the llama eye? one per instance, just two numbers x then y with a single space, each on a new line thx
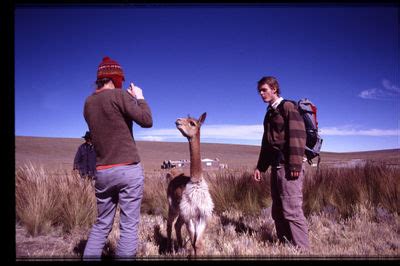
192 124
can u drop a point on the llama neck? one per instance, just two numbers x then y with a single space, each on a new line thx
195 160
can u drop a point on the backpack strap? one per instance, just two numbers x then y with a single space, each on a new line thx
280 107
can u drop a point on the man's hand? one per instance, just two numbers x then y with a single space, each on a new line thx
257 175
135 91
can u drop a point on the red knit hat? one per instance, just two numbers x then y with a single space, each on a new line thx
109 68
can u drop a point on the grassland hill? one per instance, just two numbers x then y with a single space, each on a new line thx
60 152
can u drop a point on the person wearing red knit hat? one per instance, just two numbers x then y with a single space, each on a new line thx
119 179
109 68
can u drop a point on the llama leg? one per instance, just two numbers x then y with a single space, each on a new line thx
199 245
190 226
178 226
171 217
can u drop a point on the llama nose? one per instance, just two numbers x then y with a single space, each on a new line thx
177 122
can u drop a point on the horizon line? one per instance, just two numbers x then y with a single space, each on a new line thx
204 142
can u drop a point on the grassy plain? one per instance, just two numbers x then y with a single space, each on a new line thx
352 209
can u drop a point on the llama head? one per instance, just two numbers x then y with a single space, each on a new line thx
190 126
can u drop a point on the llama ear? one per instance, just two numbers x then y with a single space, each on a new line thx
203 117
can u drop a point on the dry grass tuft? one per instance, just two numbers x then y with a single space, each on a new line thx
336 190
155 194
45 199
236 190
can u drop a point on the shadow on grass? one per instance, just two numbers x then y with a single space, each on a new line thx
108 252
162 242
80 247
267 235
240 226
265 232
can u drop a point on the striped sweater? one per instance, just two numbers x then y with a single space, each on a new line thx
284 138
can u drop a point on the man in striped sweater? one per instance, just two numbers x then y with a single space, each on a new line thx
282 148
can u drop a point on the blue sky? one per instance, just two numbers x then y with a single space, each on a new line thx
203 58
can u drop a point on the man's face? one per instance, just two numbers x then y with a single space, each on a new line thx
267 94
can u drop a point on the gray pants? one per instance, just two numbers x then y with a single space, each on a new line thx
287 211
123 185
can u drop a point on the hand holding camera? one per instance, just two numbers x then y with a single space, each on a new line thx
135 91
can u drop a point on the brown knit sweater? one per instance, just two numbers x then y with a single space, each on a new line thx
284 138
109 115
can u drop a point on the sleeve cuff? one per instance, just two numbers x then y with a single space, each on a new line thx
262 168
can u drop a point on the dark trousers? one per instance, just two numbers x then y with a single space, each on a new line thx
287 211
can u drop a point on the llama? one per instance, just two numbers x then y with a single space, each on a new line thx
189 197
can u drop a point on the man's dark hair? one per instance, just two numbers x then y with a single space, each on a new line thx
100 82
272 83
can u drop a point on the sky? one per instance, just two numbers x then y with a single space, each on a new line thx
190 59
